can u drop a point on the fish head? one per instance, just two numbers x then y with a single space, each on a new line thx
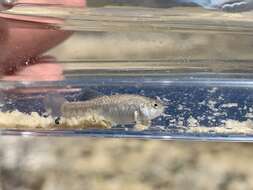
152 109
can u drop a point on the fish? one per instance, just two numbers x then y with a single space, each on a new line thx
119 109
223 5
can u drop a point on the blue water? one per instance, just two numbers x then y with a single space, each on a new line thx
204 100
210 101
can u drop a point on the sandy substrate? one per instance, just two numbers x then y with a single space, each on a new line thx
230 126
18 120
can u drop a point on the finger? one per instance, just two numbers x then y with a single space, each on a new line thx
42 71
22 40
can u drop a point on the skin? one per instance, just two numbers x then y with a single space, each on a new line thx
21 45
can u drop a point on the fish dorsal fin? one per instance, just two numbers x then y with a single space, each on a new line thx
87 94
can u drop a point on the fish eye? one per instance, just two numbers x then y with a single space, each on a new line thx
155 105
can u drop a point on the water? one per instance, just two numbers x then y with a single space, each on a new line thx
197 61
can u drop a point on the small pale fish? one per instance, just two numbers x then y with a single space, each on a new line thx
119 109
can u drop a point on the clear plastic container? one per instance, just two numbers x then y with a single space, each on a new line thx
195 58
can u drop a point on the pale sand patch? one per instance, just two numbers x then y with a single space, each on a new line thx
19 120
229 126
16 119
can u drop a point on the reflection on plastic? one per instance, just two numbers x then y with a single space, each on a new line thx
224 5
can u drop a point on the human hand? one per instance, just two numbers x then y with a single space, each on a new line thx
21 44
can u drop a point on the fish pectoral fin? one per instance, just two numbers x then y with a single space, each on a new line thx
140 125
136 116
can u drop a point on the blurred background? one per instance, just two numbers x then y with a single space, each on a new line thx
83 163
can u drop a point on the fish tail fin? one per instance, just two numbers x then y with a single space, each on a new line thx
53 103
